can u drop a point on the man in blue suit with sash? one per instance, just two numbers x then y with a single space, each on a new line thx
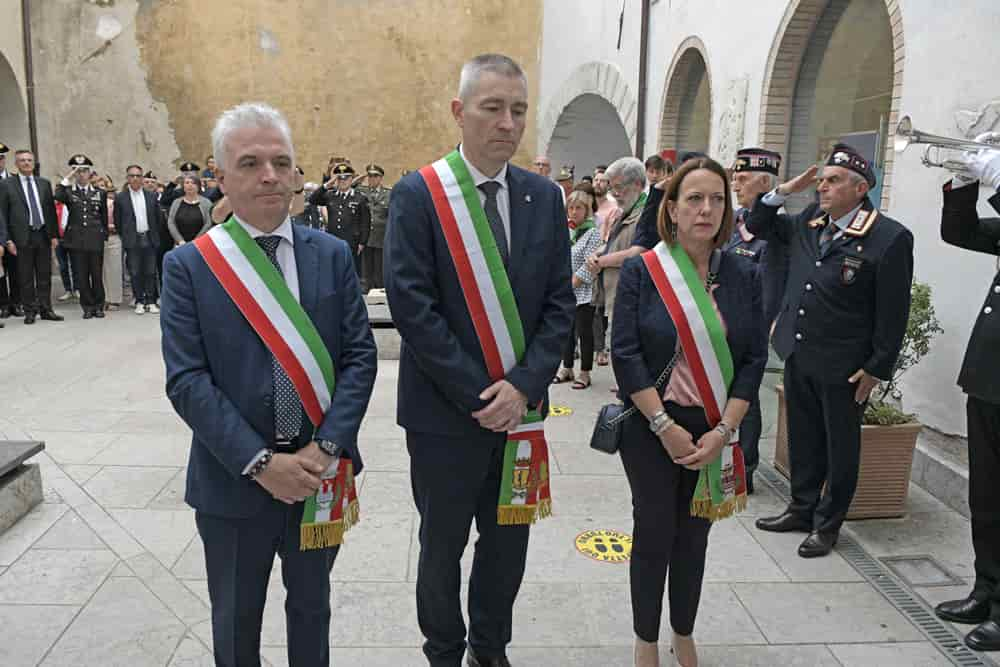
270 360
477 275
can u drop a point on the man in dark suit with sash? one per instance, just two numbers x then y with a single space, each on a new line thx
477 275
270 360
839 330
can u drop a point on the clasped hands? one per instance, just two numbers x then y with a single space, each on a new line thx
291 478
505 409
684 451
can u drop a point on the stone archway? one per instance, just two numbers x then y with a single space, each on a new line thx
600 79
588 133
13 112
686 118
789 62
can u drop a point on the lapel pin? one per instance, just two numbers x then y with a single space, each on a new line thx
527 198
860 248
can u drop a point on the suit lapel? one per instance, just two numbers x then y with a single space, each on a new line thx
520 209
20 193
307 266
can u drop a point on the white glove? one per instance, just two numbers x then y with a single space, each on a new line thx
985 165
988 138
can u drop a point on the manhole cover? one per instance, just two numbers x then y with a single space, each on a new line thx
921 571
560 411
607 546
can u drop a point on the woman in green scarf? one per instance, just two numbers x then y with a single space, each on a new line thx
581 205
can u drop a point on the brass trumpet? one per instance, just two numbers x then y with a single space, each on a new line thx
907 136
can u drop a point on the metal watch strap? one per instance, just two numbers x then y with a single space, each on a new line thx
329 447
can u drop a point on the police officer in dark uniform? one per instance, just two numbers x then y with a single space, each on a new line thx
378 204
839 330
348 216
980 379
86 232
754 173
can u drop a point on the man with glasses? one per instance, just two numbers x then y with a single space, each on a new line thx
348 215
138 221
542 166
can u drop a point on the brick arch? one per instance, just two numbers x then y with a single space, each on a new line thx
688 55
597 78
782 73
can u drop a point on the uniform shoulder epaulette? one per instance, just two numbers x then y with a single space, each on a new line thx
862 223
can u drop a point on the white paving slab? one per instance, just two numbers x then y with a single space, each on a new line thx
117 486
29 631
165 533
70 532
55 577
18 538
919 654
123 625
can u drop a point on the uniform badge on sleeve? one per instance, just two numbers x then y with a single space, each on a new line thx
849 269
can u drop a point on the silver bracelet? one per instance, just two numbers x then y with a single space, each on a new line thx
724 429
660 422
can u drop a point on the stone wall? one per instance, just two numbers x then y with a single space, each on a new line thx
143 81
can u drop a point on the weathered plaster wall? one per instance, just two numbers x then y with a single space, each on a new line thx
371 80
13 100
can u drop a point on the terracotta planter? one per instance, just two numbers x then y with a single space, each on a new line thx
884 475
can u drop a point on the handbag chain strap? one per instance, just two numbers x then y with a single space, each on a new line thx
710 279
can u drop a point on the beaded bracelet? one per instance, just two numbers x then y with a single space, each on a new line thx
261 463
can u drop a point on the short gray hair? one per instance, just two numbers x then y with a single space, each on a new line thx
248 114
487 62
629 169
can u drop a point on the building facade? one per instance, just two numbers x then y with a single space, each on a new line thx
794 76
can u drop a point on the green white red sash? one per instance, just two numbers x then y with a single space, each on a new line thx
524 487
262 295
721 488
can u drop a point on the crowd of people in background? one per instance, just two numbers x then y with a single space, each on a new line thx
109 242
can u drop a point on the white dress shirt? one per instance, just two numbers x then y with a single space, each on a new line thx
26 183
139 206
503 194
286 251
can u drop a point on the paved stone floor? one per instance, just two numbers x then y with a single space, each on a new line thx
109 570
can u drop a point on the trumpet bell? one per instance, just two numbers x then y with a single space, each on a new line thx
904 134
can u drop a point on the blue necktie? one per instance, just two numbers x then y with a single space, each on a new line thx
36 210
287 407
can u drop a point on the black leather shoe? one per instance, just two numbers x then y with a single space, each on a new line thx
87 314
1 325
817 544
17 311
51 316
99 313
749 483
786 522
475 661
967 610
985 637
29 318
5 313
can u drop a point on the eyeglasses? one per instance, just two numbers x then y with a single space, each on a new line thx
134 175
541 164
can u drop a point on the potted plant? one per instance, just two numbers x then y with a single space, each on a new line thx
888 434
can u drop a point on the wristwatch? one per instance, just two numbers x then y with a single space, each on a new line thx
329 447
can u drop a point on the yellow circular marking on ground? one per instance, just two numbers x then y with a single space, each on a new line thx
607 546
560 411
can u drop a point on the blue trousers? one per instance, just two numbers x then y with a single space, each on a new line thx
238 556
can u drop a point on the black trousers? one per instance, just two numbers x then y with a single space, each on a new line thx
600 329
88 270
372 261
141 259
750 430
824 446
34 273
238 556
665 534
10 289
984 498
583 330
456 480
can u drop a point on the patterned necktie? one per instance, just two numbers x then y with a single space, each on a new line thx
827 236
36 210
287 407
490 188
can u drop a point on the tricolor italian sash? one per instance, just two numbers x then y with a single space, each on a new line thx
261 294
524 486
721 489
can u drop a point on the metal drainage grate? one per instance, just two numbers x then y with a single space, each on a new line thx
948 641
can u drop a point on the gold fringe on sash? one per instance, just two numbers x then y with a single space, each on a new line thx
516 515
321 535
544 508
706 510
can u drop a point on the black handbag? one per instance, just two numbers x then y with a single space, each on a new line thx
607 436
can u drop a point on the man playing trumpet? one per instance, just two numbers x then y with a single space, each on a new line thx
961 226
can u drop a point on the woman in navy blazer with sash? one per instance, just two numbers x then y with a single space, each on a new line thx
662 468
